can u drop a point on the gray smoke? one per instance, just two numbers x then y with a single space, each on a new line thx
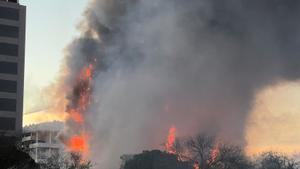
195 64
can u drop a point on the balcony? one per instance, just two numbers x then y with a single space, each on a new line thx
44 145
27 138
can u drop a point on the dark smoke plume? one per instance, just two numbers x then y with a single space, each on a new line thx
195 64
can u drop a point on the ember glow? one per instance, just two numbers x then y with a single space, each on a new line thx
170 143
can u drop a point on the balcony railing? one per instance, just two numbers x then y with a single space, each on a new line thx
44 145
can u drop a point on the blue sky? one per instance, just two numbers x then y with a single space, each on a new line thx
51 25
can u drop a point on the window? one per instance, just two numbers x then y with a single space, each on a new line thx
8 86
8 105
9 13
7 123
15 1
9 31
8 68
8 49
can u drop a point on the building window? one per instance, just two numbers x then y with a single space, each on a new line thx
7 123
14 1
9 13
9 68
8 86
8 49
8 104
9 31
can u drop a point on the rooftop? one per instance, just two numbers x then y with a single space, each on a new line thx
48 126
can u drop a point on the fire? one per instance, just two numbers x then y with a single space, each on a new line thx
76 116
79 144
214 153
87 72
78 104
169 146
196 165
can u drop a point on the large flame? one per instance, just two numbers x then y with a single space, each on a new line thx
79 142
170 143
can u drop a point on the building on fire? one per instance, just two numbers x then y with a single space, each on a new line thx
40 141
12 49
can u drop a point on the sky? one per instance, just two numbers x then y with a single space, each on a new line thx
274 121
51 25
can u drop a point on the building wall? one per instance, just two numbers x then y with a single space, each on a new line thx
12 51
41 144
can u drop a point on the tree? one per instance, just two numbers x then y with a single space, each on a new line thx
208 153
12 156
200 149
230 157
271 160
66 161
155 159
76 162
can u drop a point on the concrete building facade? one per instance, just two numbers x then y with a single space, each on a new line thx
41 140
12 53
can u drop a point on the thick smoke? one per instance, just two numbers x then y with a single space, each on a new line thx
195 64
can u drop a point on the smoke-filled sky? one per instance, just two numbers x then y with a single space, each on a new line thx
225 67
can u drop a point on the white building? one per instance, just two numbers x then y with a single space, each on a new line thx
12 49
41 141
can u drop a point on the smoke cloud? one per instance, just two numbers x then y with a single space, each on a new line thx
195 64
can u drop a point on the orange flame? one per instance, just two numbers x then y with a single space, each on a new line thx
214 153
86 72
196 165
169 146
76 116
79 144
